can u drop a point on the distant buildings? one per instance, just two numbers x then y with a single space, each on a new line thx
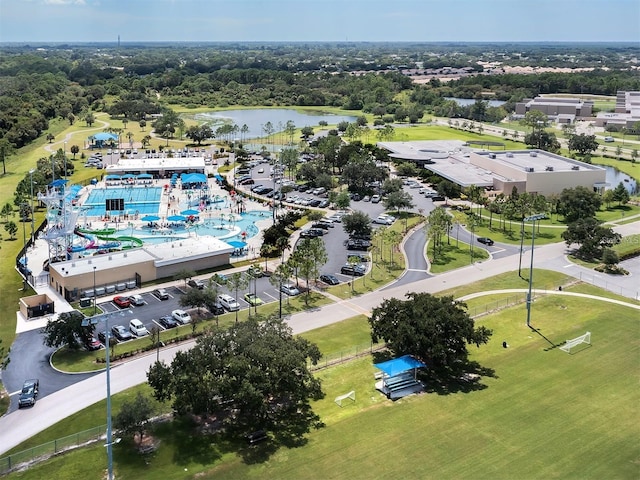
626 115
561 110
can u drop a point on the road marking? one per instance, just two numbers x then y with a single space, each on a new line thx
569 265
499 250
416 270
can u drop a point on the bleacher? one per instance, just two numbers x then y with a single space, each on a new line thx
395 386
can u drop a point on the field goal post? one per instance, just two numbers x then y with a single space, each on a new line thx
569 344
351 395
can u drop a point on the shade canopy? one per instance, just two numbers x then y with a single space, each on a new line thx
190 212
236 244
150 218
104 136
177 218
399 365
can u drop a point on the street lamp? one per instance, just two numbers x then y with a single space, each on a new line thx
533 219
32 220
64 159
94 321
94 290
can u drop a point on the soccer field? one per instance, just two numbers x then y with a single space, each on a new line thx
544 414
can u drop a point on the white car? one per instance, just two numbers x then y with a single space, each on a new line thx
384 220
136 300
290 290
181 316
138 328
228 302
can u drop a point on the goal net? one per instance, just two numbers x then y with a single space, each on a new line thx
351 396
569 344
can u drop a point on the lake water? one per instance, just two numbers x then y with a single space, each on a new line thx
463 102
615 176
256 118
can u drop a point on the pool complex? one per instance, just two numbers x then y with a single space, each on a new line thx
137 200
237 228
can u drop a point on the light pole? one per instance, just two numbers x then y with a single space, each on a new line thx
64 159
32 220
94 290
93 321
533 219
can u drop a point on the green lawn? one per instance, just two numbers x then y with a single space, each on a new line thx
542 414
454 255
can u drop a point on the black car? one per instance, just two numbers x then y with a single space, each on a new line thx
121 333
29 393
485 240
357 244
329 279
357 270
217 309
314 203
311 233
168 321
322 225
196 283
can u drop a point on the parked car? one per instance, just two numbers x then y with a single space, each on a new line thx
290 290
29 393
168 321
121 333
383 220
93 344
228 302
329 279
485 240
137 328
252 299
323 225
255 271
366 198
161 293
181 316
217 309
122 302
136 300
375 199
358 244
312 233
357 270
196 283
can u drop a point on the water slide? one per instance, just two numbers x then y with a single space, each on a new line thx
89 238
118 241
105 231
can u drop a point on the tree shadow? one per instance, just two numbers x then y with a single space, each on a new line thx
189 445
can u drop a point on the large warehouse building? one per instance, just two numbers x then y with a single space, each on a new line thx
532 171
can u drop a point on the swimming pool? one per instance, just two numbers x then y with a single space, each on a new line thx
224 228
140 200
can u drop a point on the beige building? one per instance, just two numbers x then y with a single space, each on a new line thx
127 269
626 115
533 171
561 110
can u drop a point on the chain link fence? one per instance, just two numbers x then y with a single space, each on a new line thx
42 452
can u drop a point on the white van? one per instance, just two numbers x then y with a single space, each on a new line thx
138 328
608 139
228 302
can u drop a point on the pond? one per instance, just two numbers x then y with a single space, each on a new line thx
463 102
615 176
257 118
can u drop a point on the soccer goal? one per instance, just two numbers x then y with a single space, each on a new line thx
340 398
569 344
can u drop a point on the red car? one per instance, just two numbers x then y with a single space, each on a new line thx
122 302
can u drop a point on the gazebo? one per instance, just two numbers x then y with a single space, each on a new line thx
398 377
100 139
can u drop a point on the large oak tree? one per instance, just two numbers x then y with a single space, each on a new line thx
434 329
253 376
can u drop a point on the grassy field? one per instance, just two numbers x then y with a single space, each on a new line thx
454 255
542 413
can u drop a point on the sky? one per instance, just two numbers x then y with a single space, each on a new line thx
32 21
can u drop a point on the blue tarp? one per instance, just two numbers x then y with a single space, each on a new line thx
399 365
145 175
193 178
58 183
235 244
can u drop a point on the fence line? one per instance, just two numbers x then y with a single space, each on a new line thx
42 452
603 282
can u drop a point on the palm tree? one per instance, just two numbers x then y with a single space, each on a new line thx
243 132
